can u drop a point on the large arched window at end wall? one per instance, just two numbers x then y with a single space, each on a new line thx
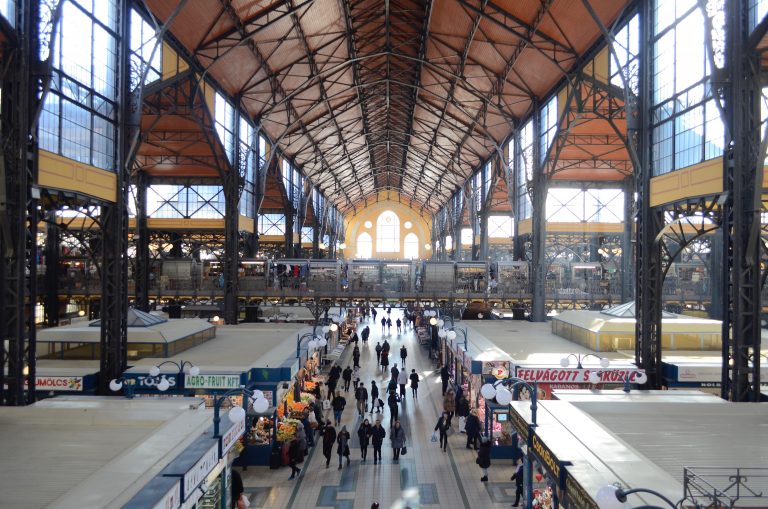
388 233
411 247
364 246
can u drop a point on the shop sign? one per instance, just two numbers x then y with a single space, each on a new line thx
211 381
231 436
519 424
547 458
498 369
150 382
699 373
197 474
58 383
170 500
576 496
580 376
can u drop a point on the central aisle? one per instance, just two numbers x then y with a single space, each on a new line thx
424 477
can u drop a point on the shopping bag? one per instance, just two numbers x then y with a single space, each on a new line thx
244 500
404 451
326 404
434 437
462 424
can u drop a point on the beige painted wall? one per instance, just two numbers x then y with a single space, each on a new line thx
355 225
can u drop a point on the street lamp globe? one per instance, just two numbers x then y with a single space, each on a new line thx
260 405
594 378
194 371
237 414
451 334
115 386
564 362
641 378
503 396
163 385
257 394
433 321
334 327
154 371
326 328
322 342
605 362
440 322
606 498
488 391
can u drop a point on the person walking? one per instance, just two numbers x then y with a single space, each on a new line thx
338 405
374 395
356 377
399 324
385 346
389 326
518 478
394 371
414 384
237 490
329 438
373 314
383 324
365 333
295 456
361 396
445 375
343 445
377 439
393 409
449 405
402 379
442 428
331 383
403 354
364 435
473 429
356 356
484 457
378 353
347 377
398 440
384 359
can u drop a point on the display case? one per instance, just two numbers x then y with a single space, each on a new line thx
395 277
363 275
470 277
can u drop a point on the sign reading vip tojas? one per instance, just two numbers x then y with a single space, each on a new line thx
150 382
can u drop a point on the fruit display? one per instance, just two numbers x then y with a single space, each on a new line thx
286 430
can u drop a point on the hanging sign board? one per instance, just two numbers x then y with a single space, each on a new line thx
211 381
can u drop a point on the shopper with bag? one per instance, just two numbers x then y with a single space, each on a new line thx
518 478
398 440
403 355
462 410
442 428
374 394
343 445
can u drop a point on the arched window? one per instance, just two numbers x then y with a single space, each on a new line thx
411 247
364 246
388 233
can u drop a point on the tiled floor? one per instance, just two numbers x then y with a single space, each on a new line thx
425 477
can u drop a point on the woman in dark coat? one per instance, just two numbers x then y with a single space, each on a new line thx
484 457
364 435
329 438
442 427
473 429
295 456
343 449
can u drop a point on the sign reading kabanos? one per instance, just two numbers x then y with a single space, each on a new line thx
581 376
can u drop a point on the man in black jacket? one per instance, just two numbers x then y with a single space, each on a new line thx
445 375
361 396
377 438
338 405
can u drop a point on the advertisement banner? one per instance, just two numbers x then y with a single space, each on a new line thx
497 369
198 473
59 383
575 376
211 381
231 436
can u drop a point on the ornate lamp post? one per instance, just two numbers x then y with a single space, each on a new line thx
500 390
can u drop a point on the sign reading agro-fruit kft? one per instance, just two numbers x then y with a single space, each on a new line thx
211 381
